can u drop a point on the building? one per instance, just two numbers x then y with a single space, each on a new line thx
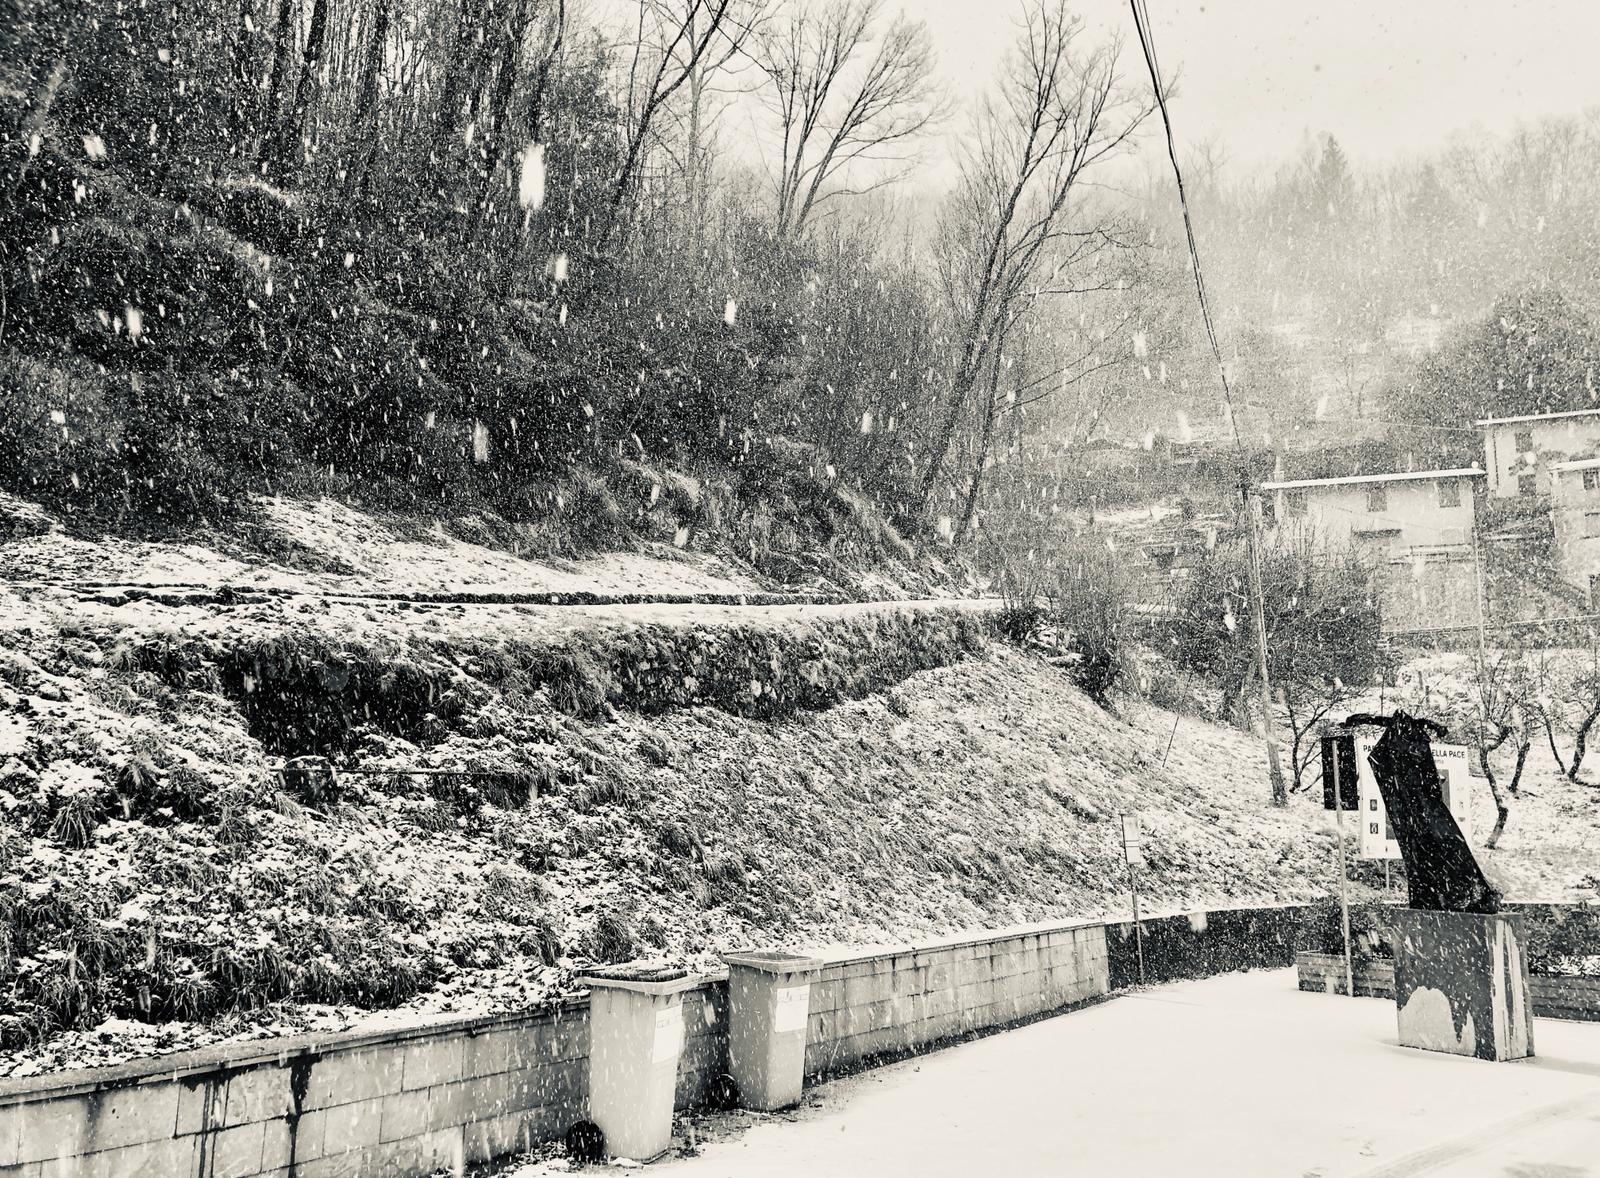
1413 528
1519 451
1575 525
1381 515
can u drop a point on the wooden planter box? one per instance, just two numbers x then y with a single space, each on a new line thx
1553 997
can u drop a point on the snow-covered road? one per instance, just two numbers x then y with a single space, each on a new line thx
1232 1076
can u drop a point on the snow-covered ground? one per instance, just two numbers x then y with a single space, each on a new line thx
323 546
1232 1077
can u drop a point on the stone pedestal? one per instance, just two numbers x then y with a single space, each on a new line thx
769 1003
636 1035
1461 983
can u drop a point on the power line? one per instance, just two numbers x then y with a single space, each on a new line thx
1141 22
1252 504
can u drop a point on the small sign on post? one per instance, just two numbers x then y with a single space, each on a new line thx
1133 854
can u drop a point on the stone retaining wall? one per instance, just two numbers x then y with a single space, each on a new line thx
451 1092
1553 996
874 1004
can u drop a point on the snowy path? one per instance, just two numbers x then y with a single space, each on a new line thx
1232 1076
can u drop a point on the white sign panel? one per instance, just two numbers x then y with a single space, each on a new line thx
669 1034
794 1003
1376 837
1133 838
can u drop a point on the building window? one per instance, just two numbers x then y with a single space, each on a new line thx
1591 480
1591 523
1294 503
1378 498
1449 493
1524 441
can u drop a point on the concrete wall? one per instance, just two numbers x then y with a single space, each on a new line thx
1553 996
451 1092
402 1102
871 1004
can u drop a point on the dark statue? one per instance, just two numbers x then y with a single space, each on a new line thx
1443 874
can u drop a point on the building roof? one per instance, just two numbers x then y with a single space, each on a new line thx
1577 464
1395 477
1536 417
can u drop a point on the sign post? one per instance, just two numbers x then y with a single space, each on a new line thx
1344 894
1133 854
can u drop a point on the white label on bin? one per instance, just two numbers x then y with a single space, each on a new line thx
669 1034
794 1003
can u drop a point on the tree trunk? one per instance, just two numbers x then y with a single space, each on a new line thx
1550 735
1581 744
969 513
367 95
1522 757
1502 807
272 142
500 101
309 83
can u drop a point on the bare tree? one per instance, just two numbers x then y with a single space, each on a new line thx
1501 715
1566 698
1060 112
836 106
676 41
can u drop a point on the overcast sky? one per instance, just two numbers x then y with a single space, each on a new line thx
1386 77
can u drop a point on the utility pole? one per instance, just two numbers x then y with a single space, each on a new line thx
1477 578
1252 507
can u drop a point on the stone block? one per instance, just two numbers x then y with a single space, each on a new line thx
359 1163
973 971
877 1015
260 1094
566 1038
148 1159
231 1153
10 1134
564 1083
827 995
350 1127
402 1115
130 1115
307 1134
486 1140
938 1002
487 1053
432 1061
865 990
280 1144
486 1096
351 1076
1461 983
439 1149
868 968
975 994
53 1129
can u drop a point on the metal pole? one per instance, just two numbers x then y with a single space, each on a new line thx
1477 578
1138 930
1344 896
1280 795
1133 886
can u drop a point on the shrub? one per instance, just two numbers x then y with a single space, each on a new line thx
612 940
